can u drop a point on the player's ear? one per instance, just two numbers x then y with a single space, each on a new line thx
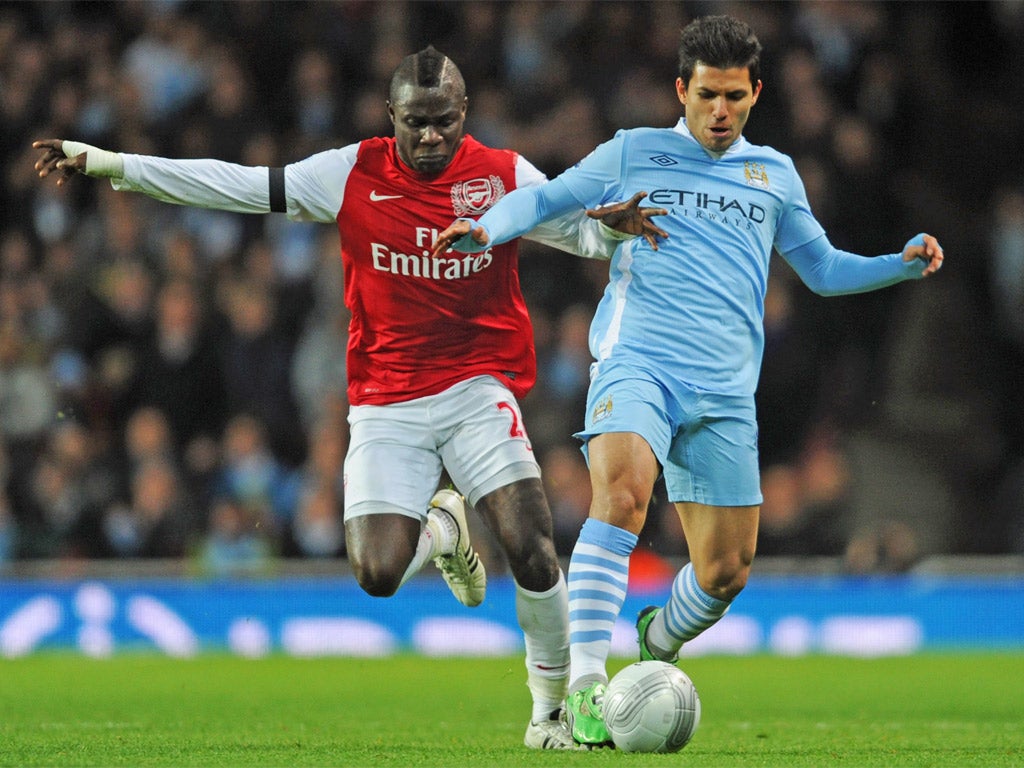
681 90
757 92
391 111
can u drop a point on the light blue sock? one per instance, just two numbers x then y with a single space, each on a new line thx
598 578
689 611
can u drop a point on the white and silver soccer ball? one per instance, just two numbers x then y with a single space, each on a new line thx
651 706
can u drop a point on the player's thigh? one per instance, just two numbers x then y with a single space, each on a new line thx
484 442
392 465
713 459
623 470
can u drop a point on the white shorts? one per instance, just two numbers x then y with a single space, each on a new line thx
396 453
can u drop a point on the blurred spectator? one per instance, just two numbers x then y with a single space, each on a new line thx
256 363
8 533
253 480
234 545
1006 288
804 510
147 439
176 368
318 528
68 487
315 111
166 62
318 371
568 368
567 485
26 408
159 519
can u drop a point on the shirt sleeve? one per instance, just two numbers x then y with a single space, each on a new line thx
199 183
797 224
591 182
518 212
573 232
314 188
828 271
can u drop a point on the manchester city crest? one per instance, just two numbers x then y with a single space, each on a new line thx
755 174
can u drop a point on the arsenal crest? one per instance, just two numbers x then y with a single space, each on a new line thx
473 197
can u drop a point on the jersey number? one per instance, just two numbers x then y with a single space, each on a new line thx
515 429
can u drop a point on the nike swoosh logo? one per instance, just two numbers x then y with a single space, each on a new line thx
374 197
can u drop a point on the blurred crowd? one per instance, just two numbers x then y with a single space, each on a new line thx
172 380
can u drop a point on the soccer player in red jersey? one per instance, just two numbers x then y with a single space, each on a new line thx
439 348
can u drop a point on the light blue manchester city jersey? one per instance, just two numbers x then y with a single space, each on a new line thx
693 309
691 312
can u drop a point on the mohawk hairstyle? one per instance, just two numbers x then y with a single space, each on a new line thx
428 68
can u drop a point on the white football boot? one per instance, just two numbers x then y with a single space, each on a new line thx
462 569
550 734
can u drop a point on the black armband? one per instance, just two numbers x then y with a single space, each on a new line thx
278 204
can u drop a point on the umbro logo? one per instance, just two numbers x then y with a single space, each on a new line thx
663 160
374 197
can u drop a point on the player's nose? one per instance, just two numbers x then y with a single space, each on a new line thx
431 136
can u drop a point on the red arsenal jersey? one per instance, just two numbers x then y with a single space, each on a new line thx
420 325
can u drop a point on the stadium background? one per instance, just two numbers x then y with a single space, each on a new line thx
136 442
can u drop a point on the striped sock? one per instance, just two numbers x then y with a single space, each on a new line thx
689 611
598 578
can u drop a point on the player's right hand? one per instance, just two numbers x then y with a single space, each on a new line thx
455 232
54 160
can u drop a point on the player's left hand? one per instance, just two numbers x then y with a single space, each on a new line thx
631 219
927 249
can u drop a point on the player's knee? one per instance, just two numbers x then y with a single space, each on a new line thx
533 562
725 578
624 506
376 579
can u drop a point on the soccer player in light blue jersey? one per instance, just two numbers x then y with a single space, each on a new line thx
678 341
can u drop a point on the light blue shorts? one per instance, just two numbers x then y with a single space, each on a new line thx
706 443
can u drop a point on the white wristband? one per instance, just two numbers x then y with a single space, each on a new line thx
98 162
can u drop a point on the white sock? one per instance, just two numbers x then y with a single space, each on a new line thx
544 619
437 537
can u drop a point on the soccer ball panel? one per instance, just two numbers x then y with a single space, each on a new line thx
651 706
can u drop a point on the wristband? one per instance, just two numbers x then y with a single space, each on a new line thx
98 162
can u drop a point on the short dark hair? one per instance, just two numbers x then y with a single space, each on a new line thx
721 42
428 68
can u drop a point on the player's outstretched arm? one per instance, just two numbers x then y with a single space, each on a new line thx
203 183
927 249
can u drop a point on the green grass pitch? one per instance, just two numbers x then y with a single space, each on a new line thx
923 710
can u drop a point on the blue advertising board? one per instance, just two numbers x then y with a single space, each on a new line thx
332 616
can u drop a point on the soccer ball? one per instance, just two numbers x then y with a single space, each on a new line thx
651 706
